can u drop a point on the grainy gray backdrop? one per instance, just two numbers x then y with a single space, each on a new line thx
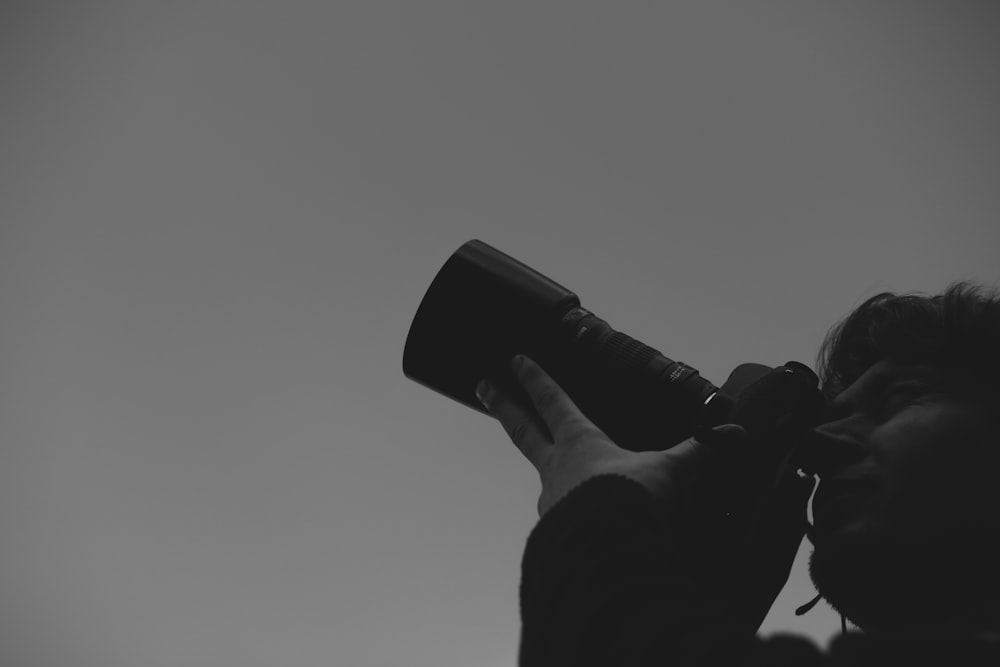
217 219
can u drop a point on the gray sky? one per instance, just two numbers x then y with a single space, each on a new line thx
219 218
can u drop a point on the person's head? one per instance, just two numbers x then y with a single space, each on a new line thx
906 532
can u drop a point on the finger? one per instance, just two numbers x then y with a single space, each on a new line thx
774 544
784 513
523 428
779 527
557 410
723 437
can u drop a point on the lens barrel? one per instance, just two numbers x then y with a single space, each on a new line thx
484 306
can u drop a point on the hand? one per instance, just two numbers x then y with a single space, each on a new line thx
567 448
767 560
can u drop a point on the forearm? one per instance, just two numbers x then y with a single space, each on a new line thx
603 583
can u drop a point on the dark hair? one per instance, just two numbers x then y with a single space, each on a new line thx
957 331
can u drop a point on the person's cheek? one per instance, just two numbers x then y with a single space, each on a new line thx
923 489
901 499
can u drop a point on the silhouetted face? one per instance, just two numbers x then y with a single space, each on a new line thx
905 505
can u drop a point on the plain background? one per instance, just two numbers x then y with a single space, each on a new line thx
218 220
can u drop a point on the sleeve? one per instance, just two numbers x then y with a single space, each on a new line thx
602 583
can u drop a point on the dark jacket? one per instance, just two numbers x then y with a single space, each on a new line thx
602 585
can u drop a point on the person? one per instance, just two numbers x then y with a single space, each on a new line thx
905 543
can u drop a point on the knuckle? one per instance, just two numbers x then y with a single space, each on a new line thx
577 431
518 432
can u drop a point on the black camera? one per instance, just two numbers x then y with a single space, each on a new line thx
485 306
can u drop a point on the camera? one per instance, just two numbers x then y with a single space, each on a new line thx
484 306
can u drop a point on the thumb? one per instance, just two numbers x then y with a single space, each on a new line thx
722 433
723 441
